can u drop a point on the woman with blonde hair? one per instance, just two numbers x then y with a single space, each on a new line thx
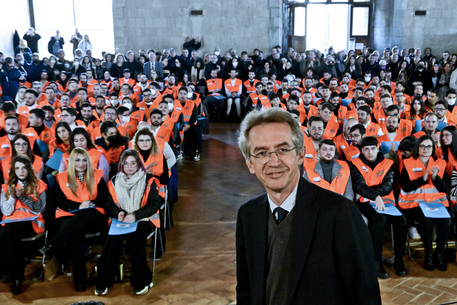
80 138
80 194
22 197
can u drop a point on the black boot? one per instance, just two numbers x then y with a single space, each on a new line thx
400 269
439 263
380 271
16 288
428 262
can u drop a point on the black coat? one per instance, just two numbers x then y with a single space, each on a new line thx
332 259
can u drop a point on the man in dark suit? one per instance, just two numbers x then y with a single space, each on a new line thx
298 243
152 64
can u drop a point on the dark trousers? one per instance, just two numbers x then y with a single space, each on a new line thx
70 239
215 107
443 226
136 246
12 250
192 140
377 224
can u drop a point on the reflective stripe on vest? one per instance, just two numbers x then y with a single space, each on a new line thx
339 182
21 210
375 176
155 218
427 192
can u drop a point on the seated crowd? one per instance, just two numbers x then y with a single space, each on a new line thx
88 139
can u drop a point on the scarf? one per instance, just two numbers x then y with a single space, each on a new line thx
130 192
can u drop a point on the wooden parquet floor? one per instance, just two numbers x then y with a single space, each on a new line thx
199 264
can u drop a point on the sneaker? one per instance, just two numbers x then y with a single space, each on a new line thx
197 156
413 233
101 291
143 290
180 156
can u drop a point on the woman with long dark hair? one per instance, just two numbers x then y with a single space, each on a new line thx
62 138
22 197
422 182
21 146
448 149
135 199
417 110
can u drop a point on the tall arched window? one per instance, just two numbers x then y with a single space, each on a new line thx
94 18
320 24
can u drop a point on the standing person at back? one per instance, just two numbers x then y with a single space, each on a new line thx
298 243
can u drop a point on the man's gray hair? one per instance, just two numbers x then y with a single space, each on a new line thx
265 116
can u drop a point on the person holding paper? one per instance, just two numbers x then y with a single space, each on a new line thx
135 198
23 199
422 183
80 194
372 179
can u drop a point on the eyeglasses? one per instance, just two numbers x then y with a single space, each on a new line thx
264 156
440 109
110 114
133 164
425 146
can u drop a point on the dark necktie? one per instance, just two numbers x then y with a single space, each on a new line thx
279 214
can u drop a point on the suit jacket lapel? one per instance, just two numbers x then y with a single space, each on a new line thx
259 229
305 215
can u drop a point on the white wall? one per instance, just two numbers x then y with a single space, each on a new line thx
92 17
15 16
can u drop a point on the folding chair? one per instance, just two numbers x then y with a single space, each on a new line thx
154 234
167 221
42 260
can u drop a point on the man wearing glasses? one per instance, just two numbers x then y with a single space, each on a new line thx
298 243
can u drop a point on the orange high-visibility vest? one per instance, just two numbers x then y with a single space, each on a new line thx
372 130
188 107
235 87
427 192
83 193
351 153
6 166
310 152
338 184
332 127
250 87
375 176
212 85
46 135
21 210
342 112
155 219
166 129
94 155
